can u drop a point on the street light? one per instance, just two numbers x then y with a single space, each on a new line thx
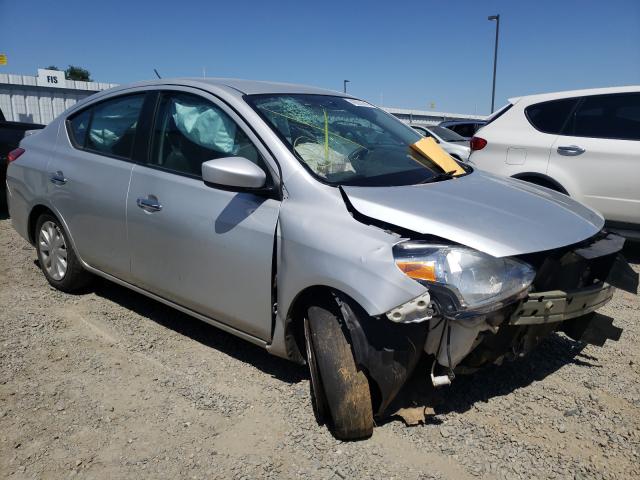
344 87
495 58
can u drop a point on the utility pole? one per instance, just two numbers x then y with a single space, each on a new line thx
344 85
495 58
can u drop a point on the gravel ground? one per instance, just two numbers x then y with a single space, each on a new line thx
110 384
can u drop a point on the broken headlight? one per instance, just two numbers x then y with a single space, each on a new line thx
478 282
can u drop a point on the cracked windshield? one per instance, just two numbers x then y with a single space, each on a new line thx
344 141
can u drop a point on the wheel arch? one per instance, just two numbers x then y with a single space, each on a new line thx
37 211
42 208
542 180
294 328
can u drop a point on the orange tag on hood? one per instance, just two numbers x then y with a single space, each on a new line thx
427 147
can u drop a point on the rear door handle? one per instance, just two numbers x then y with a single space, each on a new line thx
570 150
149 204
57 178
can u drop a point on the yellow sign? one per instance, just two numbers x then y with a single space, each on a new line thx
427 147
3 59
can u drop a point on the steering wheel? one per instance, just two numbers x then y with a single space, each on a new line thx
356 154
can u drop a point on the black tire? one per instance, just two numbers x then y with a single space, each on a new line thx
345 388
75 277
4 205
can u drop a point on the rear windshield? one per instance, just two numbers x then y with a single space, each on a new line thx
499 113
446 134
344 141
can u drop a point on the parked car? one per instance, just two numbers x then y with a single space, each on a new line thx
452 143
315 225
10 135
464 128
583 143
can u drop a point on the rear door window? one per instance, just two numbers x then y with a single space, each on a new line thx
550 117
113 126
614 116
108 127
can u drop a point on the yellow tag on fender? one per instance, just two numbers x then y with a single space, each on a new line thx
427 147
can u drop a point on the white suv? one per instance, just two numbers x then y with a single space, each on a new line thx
584 143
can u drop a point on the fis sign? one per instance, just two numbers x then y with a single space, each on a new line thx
51 78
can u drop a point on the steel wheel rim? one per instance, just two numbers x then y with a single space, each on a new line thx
53 250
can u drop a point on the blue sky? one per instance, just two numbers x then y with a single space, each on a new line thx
409 54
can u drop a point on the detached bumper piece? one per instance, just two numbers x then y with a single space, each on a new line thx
576 311
558 306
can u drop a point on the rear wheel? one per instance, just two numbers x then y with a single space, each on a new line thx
58 261
344 397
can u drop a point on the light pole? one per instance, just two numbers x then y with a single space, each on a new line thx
495 58
344 85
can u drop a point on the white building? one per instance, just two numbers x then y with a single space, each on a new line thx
39 99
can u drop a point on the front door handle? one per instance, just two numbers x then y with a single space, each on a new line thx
149 204
57 178
570 150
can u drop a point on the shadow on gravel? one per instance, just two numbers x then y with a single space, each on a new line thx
201 332
632 251
494 381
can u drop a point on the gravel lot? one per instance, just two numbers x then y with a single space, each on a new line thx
110 384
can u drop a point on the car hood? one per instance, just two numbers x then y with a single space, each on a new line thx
496 215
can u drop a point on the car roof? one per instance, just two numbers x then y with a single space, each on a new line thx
240 86
541 97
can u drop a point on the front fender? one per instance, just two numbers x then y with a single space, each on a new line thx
321 244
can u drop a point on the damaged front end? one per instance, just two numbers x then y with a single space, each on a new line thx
482 310
570 285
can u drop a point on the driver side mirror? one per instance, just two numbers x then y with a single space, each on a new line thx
234 173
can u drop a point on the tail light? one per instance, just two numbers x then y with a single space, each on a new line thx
477 143
14 154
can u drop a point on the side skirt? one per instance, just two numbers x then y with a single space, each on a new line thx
210 321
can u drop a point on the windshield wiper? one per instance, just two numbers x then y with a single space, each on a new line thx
439 177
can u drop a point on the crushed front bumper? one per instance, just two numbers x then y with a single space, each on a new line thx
570 285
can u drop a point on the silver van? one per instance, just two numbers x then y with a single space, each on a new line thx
314 225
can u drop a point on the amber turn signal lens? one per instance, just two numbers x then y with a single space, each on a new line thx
419 270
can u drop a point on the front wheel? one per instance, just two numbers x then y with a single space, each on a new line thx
344 389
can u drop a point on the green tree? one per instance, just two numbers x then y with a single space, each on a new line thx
52 67
77 73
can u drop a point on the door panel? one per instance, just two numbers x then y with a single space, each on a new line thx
598 155
205 248
89 188
92 202
606 176
209 250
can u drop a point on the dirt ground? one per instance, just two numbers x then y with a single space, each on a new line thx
110 384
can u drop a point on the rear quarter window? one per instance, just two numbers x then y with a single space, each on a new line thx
550 117
78 127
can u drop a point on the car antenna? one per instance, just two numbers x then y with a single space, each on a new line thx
157 74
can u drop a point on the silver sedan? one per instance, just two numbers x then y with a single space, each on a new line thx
315 225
